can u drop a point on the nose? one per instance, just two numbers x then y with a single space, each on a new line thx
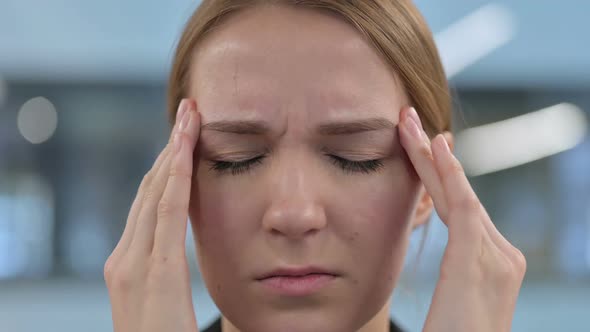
295 210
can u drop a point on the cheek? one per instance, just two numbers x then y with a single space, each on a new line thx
381 204
375 217
379 217
224 219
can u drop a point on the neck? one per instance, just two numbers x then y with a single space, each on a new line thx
379 322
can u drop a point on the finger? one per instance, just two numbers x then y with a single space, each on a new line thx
173 207
143 237
456 187
129 230
417 145
143 234
182 107
461 197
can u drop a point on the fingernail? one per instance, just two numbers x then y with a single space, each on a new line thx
412 127
415 116
442 144
185 120
181 110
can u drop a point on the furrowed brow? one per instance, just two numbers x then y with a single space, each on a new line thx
243 127
357 126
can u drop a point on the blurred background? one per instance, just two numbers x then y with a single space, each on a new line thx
82 117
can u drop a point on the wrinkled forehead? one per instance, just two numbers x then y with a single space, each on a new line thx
298 64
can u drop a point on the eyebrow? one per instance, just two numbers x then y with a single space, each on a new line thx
249 127
356 126
244 127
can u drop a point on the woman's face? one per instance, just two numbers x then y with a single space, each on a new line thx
299 165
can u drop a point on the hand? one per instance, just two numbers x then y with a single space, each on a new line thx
481 272
147 274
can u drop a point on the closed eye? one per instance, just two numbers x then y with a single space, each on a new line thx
348 166
236 167
356 166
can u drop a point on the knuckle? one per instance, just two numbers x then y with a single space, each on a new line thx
425 151
452 168
492 263
147 179
149 195
505 270
177 170
121 279
519 261
469 204
108 269
455 166
165 208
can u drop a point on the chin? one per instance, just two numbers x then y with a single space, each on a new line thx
336 309
339 316
295 322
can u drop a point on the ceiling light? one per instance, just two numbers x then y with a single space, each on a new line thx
521 139
37 120
474 36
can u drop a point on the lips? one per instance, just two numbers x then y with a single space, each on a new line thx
296 272
296 282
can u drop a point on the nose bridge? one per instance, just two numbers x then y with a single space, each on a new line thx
295 208
292 178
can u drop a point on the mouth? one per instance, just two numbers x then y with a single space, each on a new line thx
297 281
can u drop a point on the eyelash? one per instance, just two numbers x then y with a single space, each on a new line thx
235 167
348 166
361 166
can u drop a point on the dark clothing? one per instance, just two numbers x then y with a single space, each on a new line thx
216 327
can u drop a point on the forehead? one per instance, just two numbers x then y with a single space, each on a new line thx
269 59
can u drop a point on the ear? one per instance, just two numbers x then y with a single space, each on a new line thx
425 204
424 209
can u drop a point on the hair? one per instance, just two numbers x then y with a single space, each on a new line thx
395 29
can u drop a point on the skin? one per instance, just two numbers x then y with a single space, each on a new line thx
297 206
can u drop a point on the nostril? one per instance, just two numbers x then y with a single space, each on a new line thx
294 218
311 231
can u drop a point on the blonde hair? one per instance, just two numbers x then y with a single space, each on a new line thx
395 29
